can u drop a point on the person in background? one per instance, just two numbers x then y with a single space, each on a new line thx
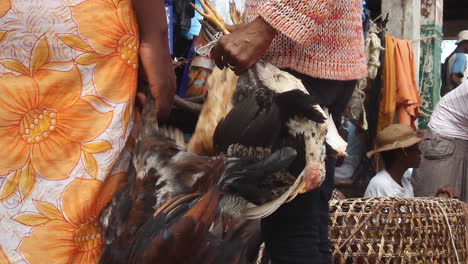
320 42
397 145
337 195
346 166
456 64
445 157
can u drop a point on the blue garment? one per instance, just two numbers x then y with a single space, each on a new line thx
182 91
459 65
195 25
351 162
354 143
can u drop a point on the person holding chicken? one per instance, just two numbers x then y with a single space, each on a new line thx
320 42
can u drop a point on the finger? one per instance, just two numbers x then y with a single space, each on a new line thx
239 71
223 51
231 58
232 64
136 125
141 98
249 64
225 59
163 112
241 68
162 115
233 28
216 56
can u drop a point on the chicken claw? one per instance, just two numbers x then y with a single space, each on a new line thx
211 15
236 16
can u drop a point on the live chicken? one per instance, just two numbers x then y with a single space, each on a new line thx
271 109
160 171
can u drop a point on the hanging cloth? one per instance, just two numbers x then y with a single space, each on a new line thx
388 100
407 94
400 93
372 51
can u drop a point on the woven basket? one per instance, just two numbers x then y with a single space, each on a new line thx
389 230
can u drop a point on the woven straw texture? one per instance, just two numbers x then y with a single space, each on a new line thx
390 230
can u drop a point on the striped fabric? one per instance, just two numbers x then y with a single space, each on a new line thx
450 117
320 38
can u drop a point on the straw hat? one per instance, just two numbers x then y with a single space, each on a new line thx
463 35
396 136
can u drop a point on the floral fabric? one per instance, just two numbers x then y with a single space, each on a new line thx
198 76
68 72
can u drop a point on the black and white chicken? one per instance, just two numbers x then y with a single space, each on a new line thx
272 109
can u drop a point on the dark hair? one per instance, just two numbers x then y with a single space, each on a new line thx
463 42
389 157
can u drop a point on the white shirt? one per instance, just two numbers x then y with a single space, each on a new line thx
450 117
383 185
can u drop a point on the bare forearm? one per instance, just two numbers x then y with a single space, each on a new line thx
154 53
151 16
152 22
456 79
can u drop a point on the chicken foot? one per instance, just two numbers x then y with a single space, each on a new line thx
210 14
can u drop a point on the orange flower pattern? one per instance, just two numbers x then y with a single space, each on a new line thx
108 27
5 5
73 234
47 122
3 257
68 72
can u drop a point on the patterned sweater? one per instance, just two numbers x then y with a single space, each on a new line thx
320 38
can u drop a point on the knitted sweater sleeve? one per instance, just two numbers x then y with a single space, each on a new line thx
297 19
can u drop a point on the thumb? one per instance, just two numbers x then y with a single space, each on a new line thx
233 28
141 98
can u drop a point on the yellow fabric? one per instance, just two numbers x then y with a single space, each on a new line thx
400 92
67 83
407 94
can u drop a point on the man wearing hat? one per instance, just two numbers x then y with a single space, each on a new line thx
456 64
397 145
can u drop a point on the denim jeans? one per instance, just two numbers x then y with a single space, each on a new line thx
298 231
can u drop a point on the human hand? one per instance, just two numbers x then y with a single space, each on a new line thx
244 46
160 75
447 192
155 55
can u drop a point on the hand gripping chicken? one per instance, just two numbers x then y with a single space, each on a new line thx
272 109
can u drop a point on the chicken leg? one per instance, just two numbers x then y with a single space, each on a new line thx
211 15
